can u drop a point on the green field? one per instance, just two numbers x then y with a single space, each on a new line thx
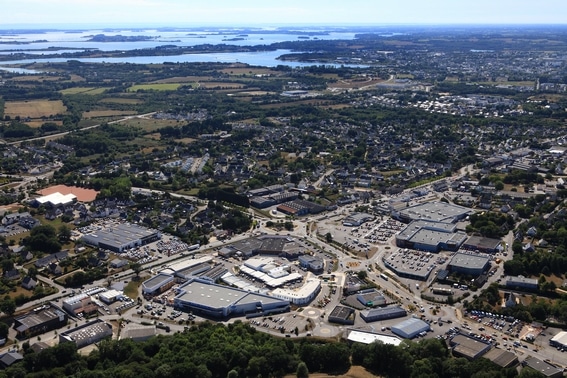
155 87
82 90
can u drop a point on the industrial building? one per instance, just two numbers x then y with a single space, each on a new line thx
482 244
469 264
366 337
87 334
431 236
137 332
383 313
120 237
342 315
468 347
410 328
221 302
110 296
371 298
432 211
41 320
502 358
547 369
559 340
157 284
522 283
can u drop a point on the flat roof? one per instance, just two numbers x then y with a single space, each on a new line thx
369 338
482 242
543 367
33 318
465 260
88 331
118 234
435 211
502 357
158 280
341 312
560 338
468 346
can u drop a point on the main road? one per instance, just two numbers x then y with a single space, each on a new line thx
58 135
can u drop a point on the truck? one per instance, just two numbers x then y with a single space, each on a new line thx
384 277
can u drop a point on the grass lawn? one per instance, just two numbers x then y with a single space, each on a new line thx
132 288
155 87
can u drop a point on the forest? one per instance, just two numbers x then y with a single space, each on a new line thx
217 351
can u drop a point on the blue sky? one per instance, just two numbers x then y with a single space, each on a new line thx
268 12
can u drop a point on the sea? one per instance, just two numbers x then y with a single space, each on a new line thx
64 41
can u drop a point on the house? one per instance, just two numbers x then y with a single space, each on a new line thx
13 274
29 283
10 358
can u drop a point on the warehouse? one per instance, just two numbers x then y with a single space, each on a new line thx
356 219
342 315
411 264
157 284
543 367
522 282
432 211
221 302
502 358
470 264
371 298
464 346
75 302
384 313
311 263
559 340
41 320
118 237
410 328
110 296
430 236
482 244
304 295
87 334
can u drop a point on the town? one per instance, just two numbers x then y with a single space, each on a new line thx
416 191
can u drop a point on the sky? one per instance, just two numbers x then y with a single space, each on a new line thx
189 13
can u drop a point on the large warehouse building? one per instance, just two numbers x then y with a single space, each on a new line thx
87 334
559 340
431 236
410 328
221 302
471 264
121 236
40 320
383 313
464 346
432 211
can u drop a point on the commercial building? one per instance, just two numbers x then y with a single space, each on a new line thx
470 264
87 334
410 328
342 315
383 313
221 302
468 347
431 236
157 284
304 295
54 200
120 237
75 303
432 211
356 219
559 340
522 283
411 264
547 369
366 337
371 298
502 358
482 244
110 296
41 320
311 263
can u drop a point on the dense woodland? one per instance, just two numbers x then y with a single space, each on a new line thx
238 350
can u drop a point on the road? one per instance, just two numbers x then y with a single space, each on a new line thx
58 135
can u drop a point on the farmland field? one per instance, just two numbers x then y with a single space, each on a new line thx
34 108
119 100
108 113
155 87
82 90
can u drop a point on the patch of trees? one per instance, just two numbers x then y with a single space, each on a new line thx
517 177
194 129
83 277
44 239
236 221
17 130
238 350
490 225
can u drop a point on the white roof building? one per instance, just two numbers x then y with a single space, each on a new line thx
56 199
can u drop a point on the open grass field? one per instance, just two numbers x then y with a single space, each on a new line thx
35 78
150 125
249 71
155 87
34 108
108 113
354 372
82 90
